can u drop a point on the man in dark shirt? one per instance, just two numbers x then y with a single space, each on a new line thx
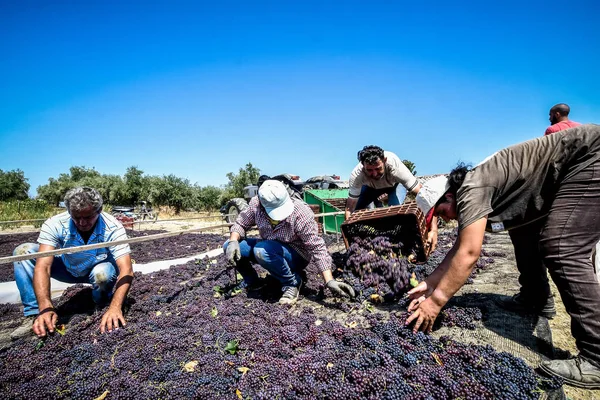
551 183
534 295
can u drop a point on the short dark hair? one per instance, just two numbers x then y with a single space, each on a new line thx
562 108
370 154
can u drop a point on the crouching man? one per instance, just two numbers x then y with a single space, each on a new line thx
106 268
288 241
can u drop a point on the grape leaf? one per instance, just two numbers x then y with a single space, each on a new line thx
232 347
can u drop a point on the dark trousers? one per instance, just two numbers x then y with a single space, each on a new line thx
533 275
566 240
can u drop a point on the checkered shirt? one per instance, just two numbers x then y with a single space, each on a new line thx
299 231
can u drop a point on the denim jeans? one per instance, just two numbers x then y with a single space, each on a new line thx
282 261
368 195
103 277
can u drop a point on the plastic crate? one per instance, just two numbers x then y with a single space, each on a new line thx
328 200
401 224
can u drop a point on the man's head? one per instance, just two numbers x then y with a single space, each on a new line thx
437 196
559 112
84 204
373 160
275 199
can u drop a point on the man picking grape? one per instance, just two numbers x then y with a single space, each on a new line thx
106 268
288 241
552 185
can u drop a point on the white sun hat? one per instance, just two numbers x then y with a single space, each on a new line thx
431 191
275 199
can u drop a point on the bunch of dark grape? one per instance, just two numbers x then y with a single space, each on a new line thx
377 261
461 317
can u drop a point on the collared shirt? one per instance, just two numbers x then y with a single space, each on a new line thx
395 172
299 231
60 232
561 126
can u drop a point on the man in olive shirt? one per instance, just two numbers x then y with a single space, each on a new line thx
551 183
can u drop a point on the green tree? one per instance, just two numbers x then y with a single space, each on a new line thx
411 166
208 197
235 187
171 191
13 185
133 185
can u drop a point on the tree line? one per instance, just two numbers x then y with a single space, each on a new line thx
131 188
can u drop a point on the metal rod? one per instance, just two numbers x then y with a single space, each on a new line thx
70 250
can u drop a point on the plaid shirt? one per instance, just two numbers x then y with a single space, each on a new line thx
299 230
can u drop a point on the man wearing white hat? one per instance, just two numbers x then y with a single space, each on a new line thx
551 184
289 240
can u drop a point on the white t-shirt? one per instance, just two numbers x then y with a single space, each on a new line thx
395 172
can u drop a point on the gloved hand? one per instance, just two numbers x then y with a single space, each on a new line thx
340 288
233 252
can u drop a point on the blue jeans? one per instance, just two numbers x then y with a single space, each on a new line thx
368 195
279 259
103 277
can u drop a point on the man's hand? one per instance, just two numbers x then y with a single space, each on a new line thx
418 295
111 319
425 316
233 252
431 243
46 320
340 288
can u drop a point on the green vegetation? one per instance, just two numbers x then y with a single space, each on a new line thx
134 186
13 185
235 187
18 210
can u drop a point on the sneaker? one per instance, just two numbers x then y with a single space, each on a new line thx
575 371
290 295
519 304
26 328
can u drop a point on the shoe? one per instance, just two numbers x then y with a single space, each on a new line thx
290 295
575 371
518 303
26 328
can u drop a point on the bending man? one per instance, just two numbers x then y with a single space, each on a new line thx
551 184
83 223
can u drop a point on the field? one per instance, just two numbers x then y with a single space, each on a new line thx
189 336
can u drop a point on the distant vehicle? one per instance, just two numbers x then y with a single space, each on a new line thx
141 212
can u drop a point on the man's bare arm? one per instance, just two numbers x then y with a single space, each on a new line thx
351 203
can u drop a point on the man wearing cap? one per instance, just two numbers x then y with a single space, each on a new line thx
288 241
551 185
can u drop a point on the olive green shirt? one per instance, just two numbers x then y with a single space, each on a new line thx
517 185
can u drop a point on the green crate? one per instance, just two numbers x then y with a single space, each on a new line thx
329 200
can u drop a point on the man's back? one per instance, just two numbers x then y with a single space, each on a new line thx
561 126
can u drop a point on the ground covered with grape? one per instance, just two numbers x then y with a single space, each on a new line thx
189 336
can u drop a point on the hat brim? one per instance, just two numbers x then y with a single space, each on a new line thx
282 212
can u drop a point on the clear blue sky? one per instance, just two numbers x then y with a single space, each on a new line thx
199 88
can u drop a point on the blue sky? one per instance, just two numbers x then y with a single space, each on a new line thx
198 89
